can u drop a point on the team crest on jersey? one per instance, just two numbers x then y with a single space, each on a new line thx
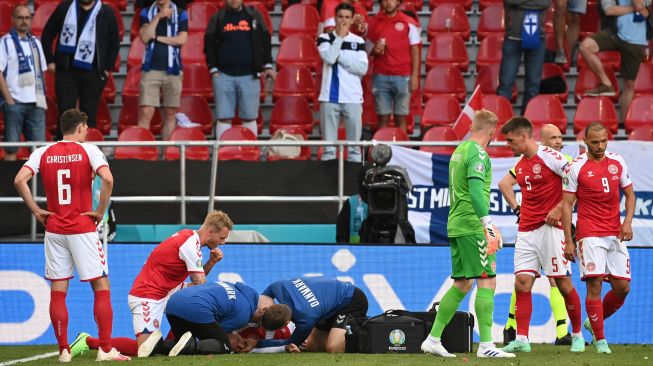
613 169
399 27
537 168
479 168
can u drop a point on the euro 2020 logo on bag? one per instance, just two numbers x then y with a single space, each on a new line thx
397 339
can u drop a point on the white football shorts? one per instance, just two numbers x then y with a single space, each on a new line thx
603 256
147 314
65 252
541 248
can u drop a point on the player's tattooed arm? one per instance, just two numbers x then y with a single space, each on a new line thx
198 278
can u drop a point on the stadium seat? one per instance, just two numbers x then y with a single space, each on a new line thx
236 121
198 111
644 80
609 59
199 14
328 11
581 135
247 153
120 4
449 18
440 110
265 13
641 133
131 87
444 79
193 50
39 3
304 151
294 81
483 4
103 120
51 116
109 92
6 11
286 3
197 81
268 4
439 133
129 116
299 50
640 113
499 105
2 125
93 134
192 153
489 52
597 109
545 109
552 70
447 49
548 20
499 151
589 22
550 44
136 51
41 16
136 25
291 111
587 80
488 80
299 19
466 4
491 21
116 11
390 134
370 118
14 3
136 152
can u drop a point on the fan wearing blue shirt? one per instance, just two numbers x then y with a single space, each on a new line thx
318 306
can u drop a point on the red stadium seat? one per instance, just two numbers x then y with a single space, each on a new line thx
2 125
192 153
553 70
609 60
236 121
265 13
41 16
268 4
304 151
198 111
93 134
299 19
199 14
440 110
6 11
247 153
328 11
299 50
136 152
136 25
294 81
286 3
499 151
545 109
548 20
491 21
640 113
467 4
439 133
443 79
193 50
499 105
120 4
197 81
484 4
581 135
488 80
116 11
587 80
644 80
597 109
49 85
641 133
51 116
39 3
109 92
129 116
291 111
449 18
369 113
390 134
489 52
447 49
136 51
14 3
103 120
589 22
550 44
131 87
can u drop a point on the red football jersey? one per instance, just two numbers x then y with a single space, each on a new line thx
400 32
540 179
168 265
67 169
596 185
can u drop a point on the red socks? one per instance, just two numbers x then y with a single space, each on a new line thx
126 346
572 302
595 314
611 303
59 318
104 318
523 311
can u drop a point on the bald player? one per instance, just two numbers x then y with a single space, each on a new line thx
551 137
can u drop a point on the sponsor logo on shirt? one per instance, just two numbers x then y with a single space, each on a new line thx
242 25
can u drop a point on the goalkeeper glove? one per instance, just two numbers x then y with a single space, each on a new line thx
494 241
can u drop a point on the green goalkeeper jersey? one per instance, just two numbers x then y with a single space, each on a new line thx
469 160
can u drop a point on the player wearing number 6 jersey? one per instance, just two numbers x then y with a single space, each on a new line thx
71 240
540 239
594 180
474 240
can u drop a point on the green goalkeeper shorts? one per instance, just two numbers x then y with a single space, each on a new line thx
468 258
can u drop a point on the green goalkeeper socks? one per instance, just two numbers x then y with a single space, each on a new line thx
559 311
484 307
511 322
448 306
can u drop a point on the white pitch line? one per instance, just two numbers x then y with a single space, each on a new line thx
28 359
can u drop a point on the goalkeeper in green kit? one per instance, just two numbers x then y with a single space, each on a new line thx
474 240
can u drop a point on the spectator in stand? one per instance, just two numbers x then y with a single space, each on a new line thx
628 36
394 38
164 29
567 15
238 52
359 24
83 56
524 35
341 94
22 63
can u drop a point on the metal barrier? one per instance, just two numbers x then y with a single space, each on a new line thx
215 145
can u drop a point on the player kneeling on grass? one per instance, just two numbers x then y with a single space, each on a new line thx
540 239
318 306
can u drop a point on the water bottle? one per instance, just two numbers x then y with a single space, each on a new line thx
358 220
